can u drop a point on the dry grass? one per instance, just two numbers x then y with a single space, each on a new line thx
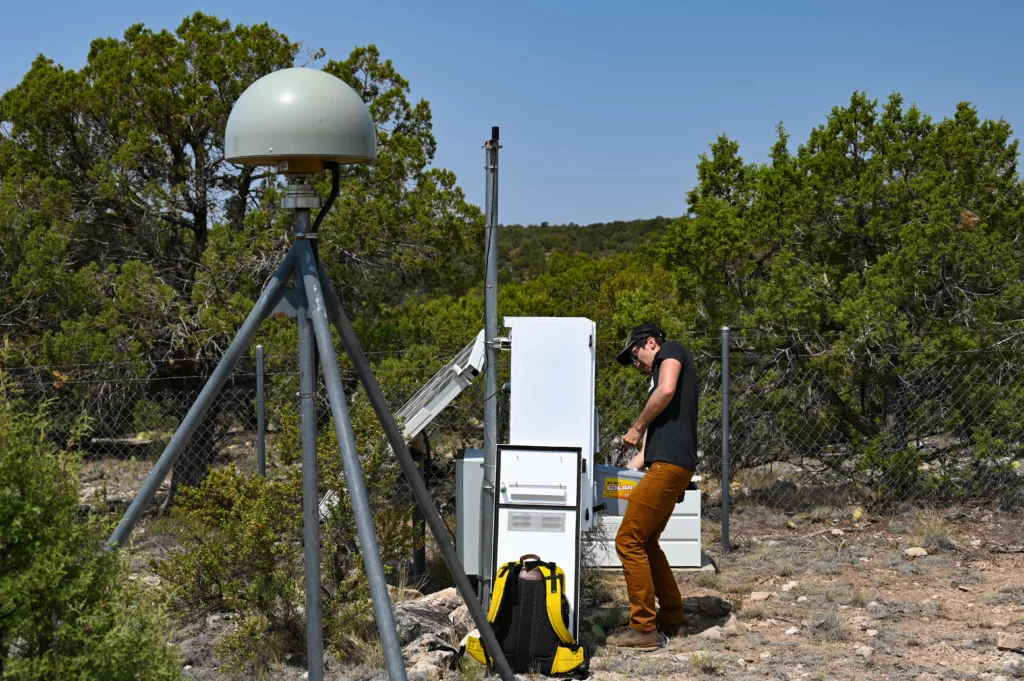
711 534
468 669
933 532
706 663
370 656
756 610
406 589
756 478
828 567
707 580
829 627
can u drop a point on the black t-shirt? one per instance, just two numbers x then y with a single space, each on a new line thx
672 436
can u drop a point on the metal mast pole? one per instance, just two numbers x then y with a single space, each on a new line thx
354 479
310 479
491 366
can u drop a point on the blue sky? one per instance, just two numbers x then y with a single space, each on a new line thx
605 106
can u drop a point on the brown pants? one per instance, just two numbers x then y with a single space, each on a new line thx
648 574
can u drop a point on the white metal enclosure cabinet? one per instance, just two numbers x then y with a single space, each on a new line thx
538 497
469 476
552 379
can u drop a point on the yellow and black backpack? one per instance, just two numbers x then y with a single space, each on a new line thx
529 615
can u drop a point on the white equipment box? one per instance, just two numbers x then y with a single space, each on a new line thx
469 478
538 511
552 378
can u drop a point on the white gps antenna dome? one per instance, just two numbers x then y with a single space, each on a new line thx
296 119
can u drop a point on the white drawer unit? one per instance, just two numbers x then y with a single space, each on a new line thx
537 510
680 541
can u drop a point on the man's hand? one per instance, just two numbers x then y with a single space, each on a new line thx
632 437
636 463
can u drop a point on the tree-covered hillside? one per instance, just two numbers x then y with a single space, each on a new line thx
525 250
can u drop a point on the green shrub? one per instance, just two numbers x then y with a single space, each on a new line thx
67 609
239 547
250 649
239 550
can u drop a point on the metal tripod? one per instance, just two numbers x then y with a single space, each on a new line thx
317 304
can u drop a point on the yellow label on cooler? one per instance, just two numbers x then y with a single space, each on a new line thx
618 488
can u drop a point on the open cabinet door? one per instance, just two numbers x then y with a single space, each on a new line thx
537 511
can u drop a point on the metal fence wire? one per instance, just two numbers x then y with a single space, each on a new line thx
804 433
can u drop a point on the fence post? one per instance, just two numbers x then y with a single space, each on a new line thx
725 440
261 438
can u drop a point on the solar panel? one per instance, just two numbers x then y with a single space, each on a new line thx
432 398
444 387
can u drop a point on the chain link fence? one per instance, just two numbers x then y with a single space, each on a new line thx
945 429
804 434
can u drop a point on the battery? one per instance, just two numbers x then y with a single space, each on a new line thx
613 485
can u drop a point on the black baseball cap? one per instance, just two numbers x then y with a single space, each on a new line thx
639 333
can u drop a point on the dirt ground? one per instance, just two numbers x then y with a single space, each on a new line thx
829 594
821 596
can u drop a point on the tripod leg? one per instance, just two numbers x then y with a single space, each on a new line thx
310 495
353 468
206 397
419 488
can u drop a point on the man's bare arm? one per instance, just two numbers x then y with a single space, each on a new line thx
662 395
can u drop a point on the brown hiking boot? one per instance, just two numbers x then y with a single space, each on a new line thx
672 630
633 639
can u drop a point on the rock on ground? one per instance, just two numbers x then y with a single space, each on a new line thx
446 600
762 595
414 619
1006 641
713 633
428 654
462 621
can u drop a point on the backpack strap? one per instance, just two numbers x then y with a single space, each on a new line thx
508 571
504 590
556 579
568 660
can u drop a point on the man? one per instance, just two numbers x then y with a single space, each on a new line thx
668 428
